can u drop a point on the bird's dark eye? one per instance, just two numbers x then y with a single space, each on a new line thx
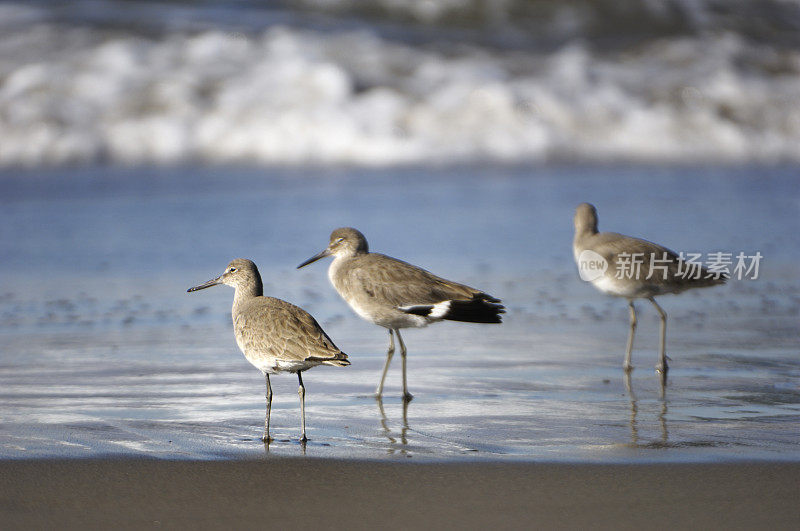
231 270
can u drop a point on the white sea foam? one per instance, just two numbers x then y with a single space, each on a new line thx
73 93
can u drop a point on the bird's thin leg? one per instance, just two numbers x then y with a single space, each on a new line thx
662 348
404 430
406 395
266 438
389 354
302 392
627 365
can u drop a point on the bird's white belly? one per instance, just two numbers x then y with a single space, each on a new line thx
608 285
271 365
383 316
630 289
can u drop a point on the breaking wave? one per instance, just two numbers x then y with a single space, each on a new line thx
343 89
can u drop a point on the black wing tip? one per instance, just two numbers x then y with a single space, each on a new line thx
475 310
339 360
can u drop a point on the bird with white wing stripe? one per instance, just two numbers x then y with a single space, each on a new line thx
395 294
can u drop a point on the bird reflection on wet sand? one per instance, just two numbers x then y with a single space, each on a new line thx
403 438
303 444
634 408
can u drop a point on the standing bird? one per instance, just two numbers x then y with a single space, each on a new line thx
628 267
394 294
274 335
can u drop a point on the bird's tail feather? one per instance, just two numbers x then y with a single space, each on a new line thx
481 308
705 280
339 360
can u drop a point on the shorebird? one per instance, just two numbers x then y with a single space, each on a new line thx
395 294
632 268
274 335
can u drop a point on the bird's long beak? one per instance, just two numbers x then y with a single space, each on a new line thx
318 256
204 285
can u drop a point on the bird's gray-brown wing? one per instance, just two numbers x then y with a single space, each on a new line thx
399 283
662 265
281 329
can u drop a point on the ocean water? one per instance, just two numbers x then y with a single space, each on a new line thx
376 83
102 352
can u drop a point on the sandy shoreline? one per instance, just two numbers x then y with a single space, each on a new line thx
313 493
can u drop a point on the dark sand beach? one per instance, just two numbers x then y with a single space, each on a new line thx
334 494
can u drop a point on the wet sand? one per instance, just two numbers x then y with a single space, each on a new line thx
317 494
104 354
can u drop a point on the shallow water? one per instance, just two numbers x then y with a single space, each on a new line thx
103 353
